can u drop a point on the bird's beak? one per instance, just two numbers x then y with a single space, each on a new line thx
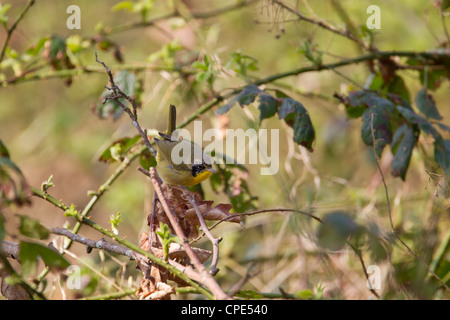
211 169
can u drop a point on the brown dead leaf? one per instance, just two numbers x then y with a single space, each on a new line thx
210 213
387 68
185 212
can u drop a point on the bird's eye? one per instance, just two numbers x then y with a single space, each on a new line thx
197 168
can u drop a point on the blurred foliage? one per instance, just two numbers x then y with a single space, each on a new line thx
337 124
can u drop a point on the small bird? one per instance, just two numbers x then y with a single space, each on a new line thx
183 174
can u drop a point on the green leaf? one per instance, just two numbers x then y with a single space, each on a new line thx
3 150
47 184
403 143
445 4
124 5
114 220
71 212
295 115
304 294
36 48
240 63
309 52
118 149
29 253
146 160
423 123
442 153
3 17
268 106
13 186
32 228
426 105
377 117
397 86
336 228
245 97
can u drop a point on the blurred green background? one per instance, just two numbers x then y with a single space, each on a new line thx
49 129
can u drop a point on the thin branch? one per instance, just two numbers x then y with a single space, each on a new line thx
13 27
363 265
215 242
118 93
247 276
374 142
322 24
102 244
195 15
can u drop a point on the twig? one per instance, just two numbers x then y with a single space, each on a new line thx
257 212
374 141
13 27
322 24
215 242
102 244
248 275
118 93
195 15
361 260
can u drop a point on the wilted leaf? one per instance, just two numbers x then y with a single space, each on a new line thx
268 106
295 115
402 146
423 123
426 105
442 153
387 68
32 228
245 97
219 212
377 117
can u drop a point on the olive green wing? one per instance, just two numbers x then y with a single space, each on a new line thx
165 148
